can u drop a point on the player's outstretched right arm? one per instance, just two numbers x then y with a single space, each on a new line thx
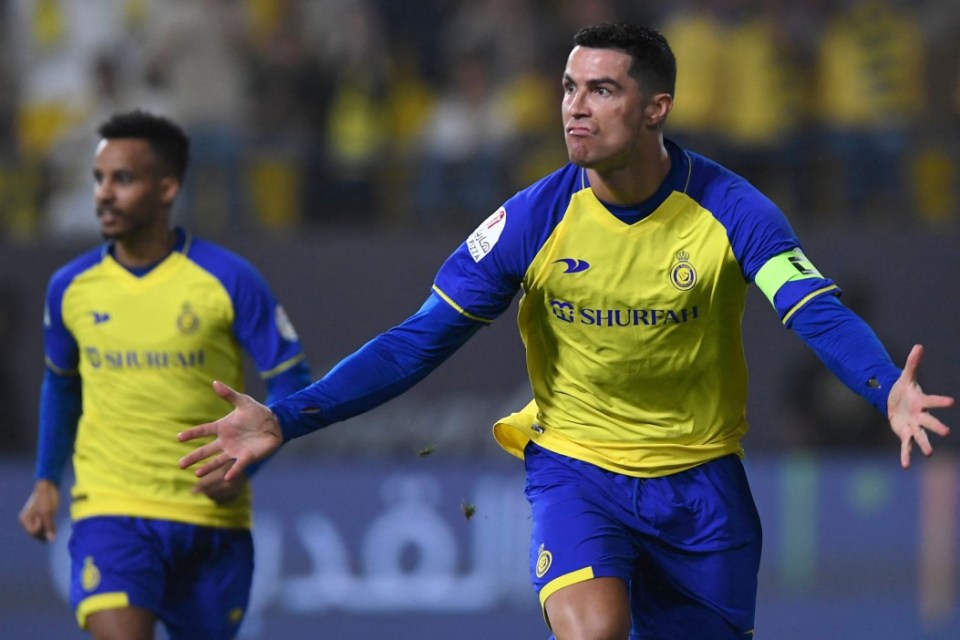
248 433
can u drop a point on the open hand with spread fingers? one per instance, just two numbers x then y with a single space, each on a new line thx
908 409
248 433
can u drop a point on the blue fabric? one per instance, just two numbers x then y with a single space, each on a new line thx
60 407
380 370
687 545
278 387
289 382
196 580
848 347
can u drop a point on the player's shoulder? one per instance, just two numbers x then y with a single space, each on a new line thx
552 189
214 257
719 189
229 267
82 263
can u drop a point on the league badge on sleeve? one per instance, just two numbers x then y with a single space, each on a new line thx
482 241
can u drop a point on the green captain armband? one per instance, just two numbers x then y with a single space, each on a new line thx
781 269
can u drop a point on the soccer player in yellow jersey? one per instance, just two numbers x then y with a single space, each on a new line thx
633 261
132 330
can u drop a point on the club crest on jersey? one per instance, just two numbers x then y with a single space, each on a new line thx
544 560
188 322
482 241
90 575
682 274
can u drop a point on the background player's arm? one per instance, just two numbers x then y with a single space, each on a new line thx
60 407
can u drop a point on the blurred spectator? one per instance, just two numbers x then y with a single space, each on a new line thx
935 171
69 213
694 31
291 89
408 104
350 38
462 153
413 31
197 53
320 111
870 94
759 109
54 46
498 32
532 99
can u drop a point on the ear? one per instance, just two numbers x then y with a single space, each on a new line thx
657 109
169 188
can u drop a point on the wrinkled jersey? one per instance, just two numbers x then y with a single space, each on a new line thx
146 349
632 331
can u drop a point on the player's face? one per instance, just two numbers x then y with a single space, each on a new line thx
602 109
132 194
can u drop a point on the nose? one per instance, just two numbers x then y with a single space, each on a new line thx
102 191
576 103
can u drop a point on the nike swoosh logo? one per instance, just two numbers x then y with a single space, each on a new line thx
574 265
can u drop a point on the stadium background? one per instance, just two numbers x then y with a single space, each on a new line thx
345 147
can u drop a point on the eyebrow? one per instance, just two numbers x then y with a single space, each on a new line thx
593 82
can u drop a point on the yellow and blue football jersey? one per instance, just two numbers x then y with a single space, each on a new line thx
146 348
632 327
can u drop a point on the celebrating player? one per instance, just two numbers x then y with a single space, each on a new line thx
634 261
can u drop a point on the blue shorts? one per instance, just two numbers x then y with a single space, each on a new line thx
195 579
687 545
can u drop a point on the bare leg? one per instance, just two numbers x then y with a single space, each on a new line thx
597 609
128 623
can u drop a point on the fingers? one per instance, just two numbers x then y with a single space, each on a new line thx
198 454
923 441
913 362
226 392
937 402
214 464
38 526
235 472
199 431
906 445
48 530
931 423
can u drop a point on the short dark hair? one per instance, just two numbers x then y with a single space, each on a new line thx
166 138
654 65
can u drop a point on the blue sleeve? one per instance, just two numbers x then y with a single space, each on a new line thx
288 382
380 370
280 386
848 347
60 408
260 323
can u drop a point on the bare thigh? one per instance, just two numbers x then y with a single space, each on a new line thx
597 609
127 623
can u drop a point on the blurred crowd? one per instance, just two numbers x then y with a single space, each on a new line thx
430 113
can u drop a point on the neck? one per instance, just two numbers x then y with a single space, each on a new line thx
634 182
142 252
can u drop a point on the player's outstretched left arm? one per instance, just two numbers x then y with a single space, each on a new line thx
248 433
908 410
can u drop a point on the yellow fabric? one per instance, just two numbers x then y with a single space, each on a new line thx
681 398
159 384
780 269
